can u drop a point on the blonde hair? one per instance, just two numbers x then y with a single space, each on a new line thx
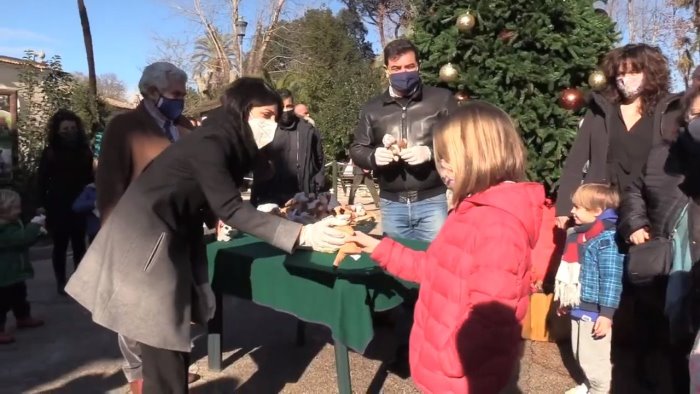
592 196
10 205
480 143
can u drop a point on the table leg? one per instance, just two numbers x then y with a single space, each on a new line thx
215 331
342 368
301 333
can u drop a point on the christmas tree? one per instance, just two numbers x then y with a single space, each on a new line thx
520 55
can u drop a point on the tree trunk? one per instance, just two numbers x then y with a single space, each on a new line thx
255 62
381 17
87 36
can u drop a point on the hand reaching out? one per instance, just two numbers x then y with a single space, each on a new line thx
322 237
364 241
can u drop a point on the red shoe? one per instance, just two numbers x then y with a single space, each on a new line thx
29 322
6 338
136 387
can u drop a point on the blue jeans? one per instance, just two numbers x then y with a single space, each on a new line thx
420 220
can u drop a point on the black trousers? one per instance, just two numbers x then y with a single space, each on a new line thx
367 180
65 228
164 371
653 335
13 298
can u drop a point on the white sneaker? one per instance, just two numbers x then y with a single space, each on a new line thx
580 389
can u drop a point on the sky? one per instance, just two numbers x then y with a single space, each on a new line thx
123 32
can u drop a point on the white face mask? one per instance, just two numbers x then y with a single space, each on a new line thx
630 85
263 130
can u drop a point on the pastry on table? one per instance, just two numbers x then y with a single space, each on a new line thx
348 249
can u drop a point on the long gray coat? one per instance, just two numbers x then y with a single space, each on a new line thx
140 276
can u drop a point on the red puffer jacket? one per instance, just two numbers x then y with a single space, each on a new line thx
475 280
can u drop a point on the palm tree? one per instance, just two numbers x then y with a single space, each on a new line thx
87 36
214 57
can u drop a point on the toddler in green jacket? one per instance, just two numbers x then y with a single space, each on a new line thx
15 267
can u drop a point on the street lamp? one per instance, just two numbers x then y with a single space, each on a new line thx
240 32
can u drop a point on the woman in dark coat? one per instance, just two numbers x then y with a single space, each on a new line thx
651 208
65 169
145 274
621 123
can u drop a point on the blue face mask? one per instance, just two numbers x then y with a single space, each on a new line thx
405 82
171 108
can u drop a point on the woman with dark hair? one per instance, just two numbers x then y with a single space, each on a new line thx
664 201
65 169
621 124
145 275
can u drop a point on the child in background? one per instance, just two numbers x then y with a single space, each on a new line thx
589 283
15 267
86 203
475 277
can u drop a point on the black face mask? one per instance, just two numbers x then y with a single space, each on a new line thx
288 118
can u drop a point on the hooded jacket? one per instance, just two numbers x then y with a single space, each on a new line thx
474 286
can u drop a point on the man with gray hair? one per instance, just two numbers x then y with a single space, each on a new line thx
131 140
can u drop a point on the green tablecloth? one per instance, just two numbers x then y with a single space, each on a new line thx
305 285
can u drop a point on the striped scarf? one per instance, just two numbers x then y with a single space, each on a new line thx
567 288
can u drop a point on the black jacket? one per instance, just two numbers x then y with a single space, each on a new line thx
669 182
587 161
62 175
296 156
414 122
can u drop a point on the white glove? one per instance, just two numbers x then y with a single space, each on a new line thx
388 140
416 155
40 220
321 237
383 156
207 302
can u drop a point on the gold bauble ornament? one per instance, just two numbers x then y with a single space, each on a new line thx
597 80
448 73
466 22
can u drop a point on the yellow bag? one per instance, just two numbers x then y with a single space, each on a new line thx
535 322
541 322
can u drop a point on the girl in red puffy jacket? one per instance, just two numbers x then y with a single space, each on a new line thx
475 277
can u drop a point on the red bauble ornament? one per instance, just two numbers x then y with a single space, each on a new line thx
461 96
571 99
506 35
